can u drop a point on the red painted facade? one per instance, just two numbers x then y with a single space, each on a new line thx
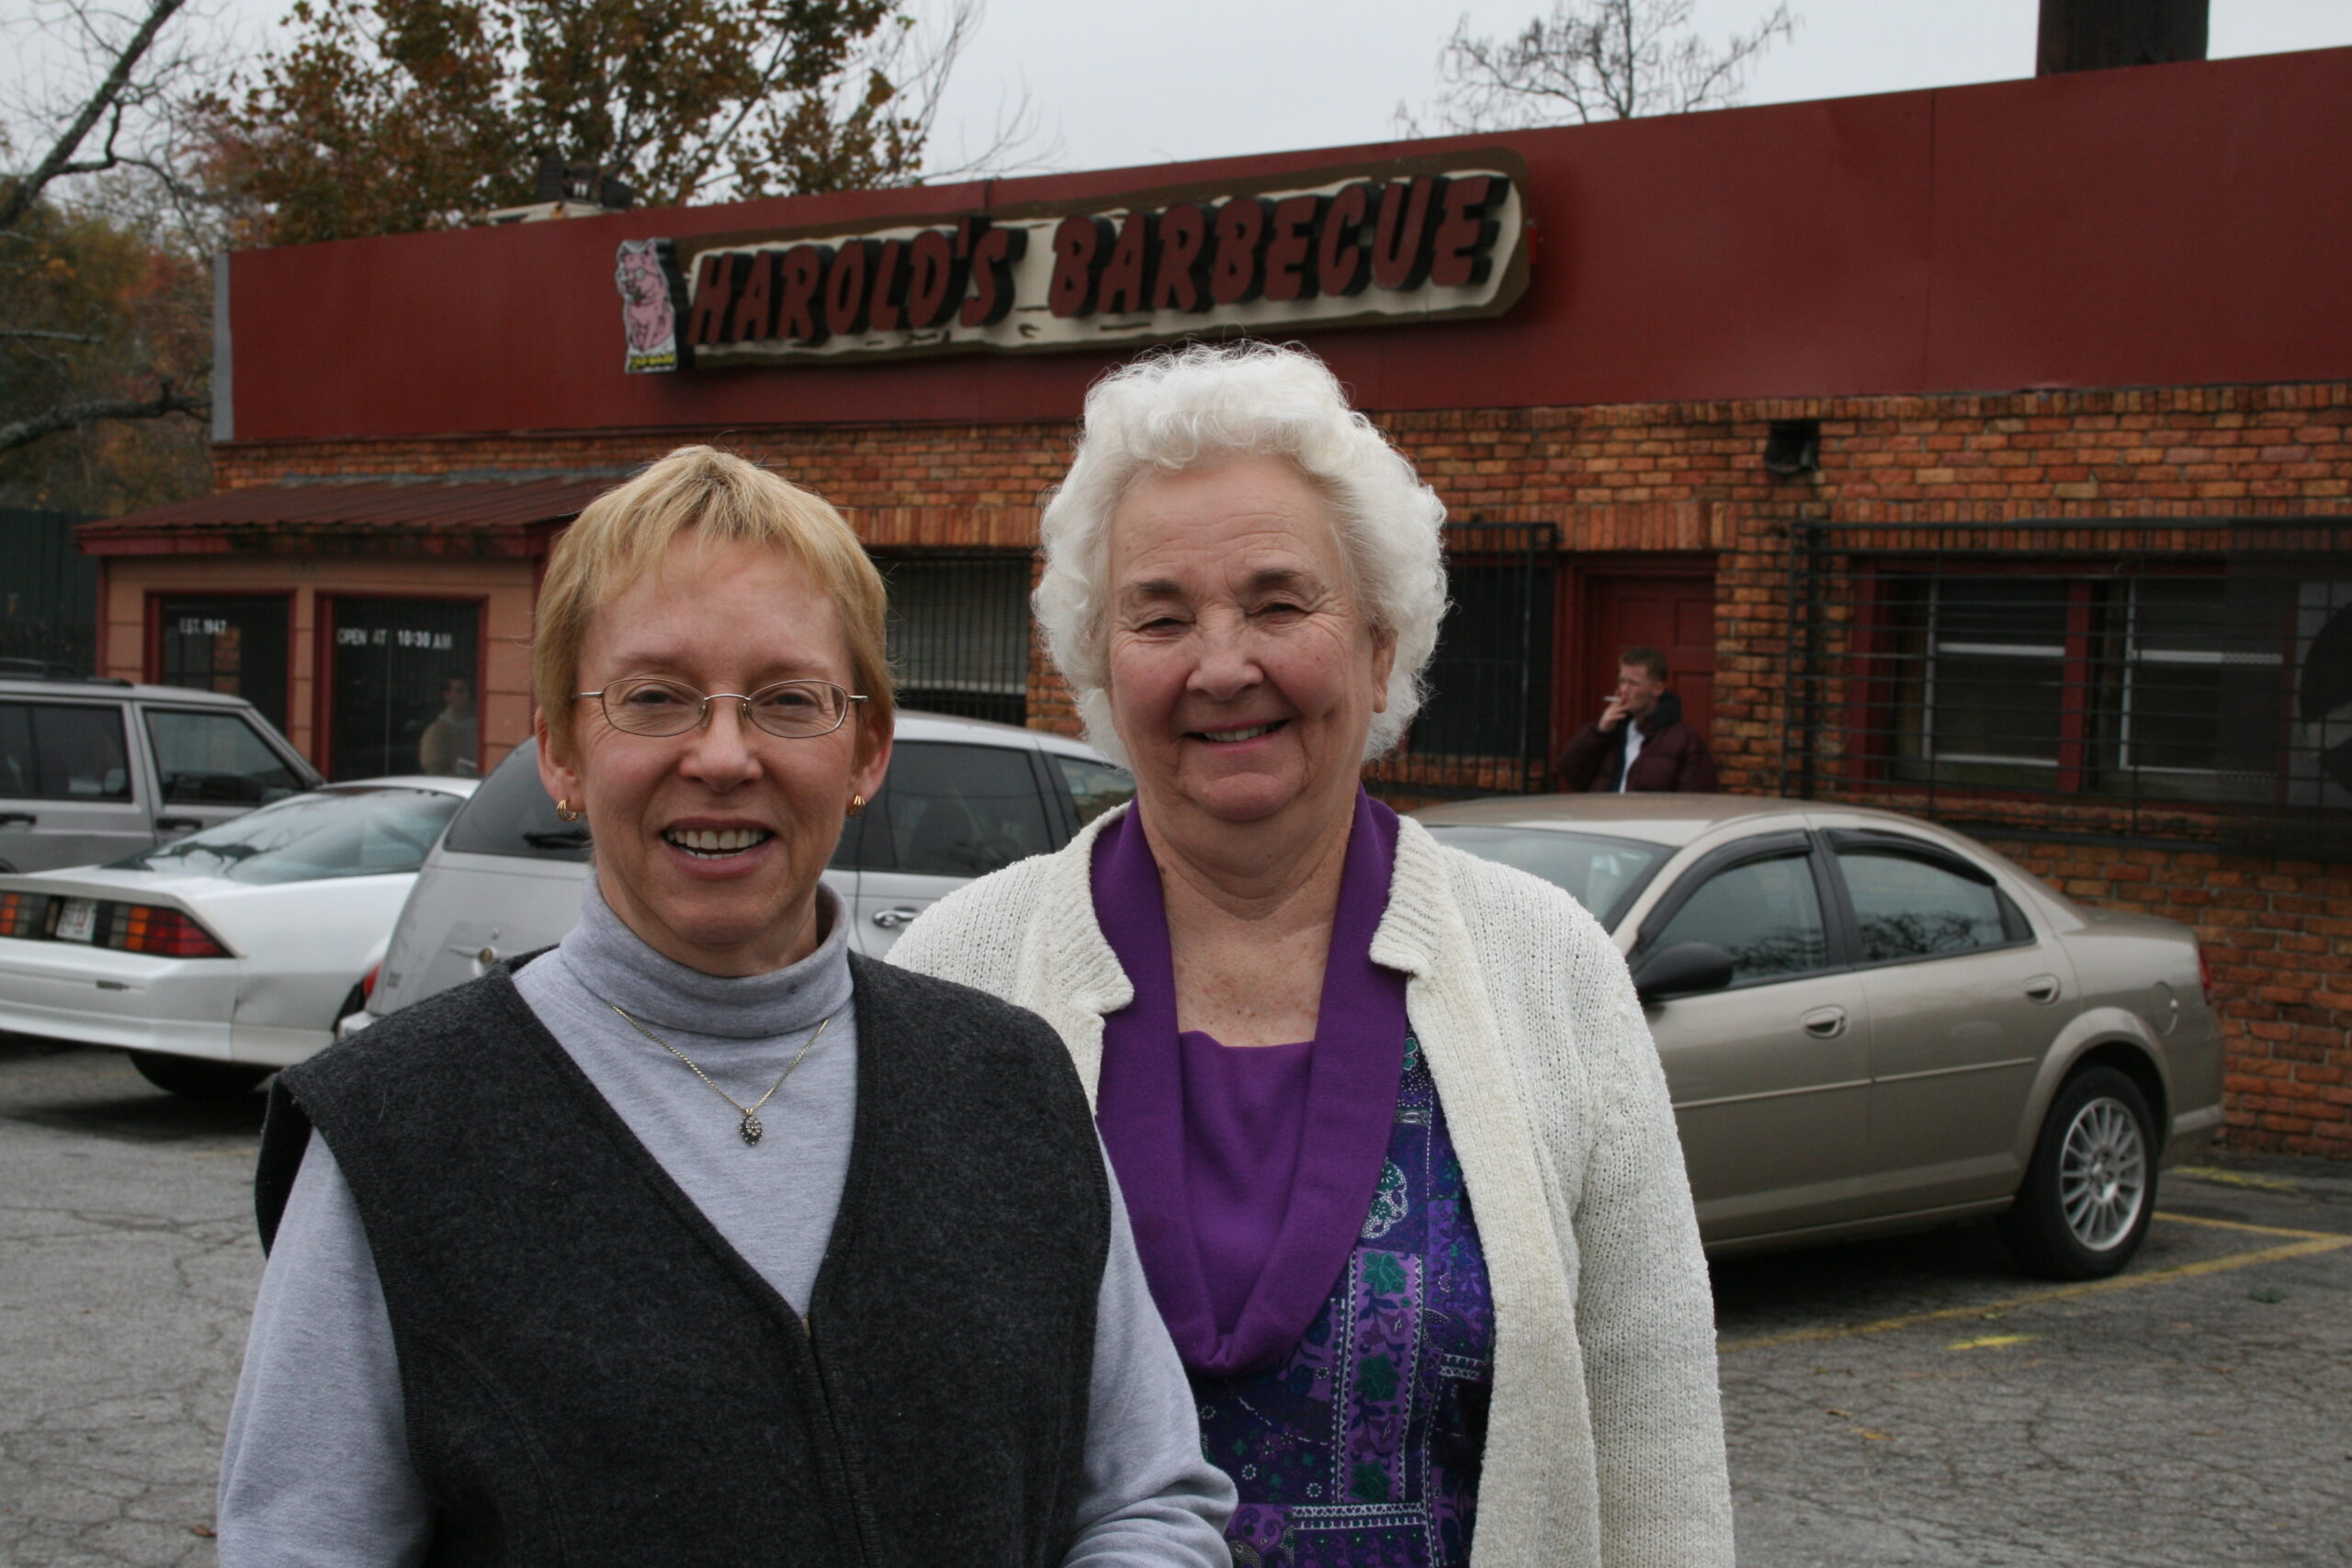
2171 225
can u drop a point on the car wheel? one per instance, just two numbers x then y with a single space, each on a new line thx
2091 1189
195 1079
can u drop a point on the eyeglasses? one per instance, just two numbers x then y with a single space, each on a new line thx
795 710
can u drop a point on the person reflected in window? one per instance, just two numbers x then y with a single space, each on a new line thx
1641 741
451 744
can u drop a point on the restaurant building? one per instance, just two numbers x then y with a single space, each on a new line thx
1978 452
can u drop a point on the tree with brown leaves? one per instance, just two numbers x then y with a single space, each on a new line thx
387 115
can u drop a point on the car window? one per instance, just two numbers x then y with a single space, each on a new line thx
310 838
1765 913
216 758
948 810
1603 874
63 752
511 815
1908 907
1094 787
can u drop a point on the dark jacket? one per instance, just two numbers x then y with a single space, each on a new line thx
1672 755
592 1376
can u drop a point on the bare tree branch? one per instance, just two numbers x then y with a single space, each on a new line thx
1592 60
167 400
50 336
106 98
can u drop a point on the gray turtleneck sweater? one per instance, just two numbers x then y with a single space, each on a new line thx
316 1469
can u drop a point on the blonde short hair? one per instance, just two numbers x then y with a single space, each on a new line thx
1187 407
715 498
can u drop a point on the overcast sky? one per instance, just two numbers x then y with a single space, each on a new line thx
1112 82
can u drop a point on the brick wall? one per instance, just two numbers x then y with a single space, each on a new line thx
1687 478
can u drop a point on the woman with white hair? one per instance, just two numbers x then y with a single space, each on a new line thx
1392 1134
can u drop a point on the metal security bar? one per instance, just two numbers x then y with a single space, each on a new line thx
1487 725
2122 679
959 631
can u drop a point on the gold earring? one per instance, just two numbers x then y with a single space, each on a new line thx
565 809
857 806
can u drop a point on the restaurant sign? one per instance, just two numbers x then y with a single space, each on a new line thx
1418 240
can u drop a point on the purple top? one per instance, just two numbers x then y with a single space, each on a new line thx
1248 1172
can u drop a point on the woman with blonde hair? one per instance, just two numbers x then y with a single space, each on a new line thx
697 1238
1393 1136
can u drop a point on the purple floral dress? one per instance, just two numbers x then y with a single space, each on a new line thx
1362 1449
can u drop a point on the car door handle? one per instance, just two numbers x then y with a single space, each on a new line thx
176 824
2043 988
1826 1023
19 820
891 920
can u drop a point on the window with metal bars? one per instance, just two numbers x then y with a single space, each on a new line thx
2162 678
959 632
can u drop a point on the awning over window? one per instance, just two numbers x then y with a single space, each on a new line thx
504 516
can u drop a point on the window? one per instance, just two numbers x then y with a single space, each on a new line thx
216 759
56 751
1603 874
950 810
235 646
2164 687
959 633
1094 787
401 674
511 815
1908 907
1765 913
312 837
1984 677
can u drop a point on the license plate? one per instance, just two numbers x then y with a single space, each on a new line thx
78 919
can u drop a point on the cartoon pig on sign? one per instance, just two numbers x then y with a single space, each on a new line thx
643 275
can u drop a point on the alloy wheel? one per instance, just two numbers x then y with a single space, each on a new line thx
2103 1173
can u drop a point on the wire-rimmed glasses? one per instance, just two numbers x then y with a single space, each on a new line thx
794 710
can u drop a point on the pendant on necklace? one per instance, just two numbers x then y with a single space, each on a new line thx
751 1128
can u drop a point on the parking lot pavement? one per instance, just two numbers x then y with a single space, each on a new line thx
1889 1405
1917 1402
126 1227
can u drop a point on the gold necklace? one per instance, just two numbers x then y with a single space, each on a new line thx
751 1127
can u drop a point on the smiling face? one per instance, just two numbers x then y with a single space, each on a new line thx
1243 673
709 844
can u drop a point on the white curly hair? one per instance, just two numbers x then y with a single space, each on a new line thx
1201 403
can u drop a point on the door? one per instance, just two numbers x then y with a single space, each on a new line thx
1965 999
233 645
1771 1077
1674 612
946 813
68 793
402 679
211 764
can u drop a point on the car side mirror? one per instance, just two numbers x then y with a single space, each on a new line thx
1684 969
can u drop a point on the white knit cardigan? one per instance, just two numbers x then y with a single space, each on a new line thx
1605 1443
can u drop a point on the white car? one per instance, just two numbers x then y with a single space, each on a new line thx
218 958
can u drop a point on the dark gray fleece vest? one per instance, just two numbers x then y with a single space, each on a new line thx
592 1375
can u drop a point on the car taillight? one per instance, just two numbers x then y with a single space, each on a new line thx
367 981
166 933
2205 978
20 913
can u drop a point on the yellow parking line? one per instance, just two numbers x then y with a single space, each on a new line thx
2313 1242
2234 1179
2241 1226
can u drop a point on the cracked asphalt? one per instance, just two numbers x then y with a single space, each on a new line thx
1906 1404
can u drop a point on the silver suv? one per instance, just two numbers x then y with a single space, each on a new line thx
963 798
96 769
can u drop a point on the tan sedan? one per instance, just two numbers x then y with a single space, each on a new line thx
1871 1023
